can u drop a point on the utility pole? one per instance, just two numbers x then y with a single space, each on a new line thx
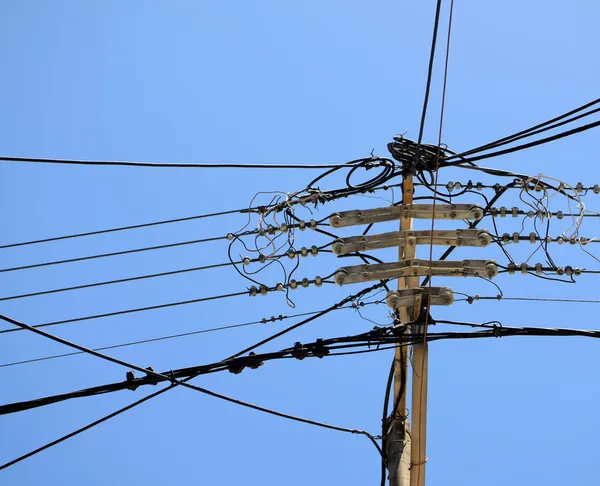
399 439
404 444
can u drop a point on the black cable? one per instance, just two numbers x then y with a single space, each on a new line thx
131 311
173 336
123 228
84 428
116 253
429 75
121 280
529 131
524 146
172 165
141 277
150 372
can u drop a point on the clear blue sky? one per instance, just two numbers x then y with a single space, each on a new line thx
271 81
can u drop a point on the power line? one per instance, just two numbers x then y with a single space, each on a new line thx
321 348
535 143
124 228
171 165
529 131
229 236
174 382
116 253
429 75
185 334
131 311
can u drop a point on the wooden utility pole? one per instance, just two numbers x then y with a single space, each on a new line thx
399 445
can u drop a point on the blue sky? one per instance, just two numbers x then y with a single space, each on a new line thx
274 81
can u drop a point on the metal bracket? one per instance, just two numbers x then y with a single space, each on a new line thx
406 297
415 267
395 213
466 237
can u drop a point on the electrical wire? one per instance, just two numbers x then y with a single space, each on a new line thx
171 165
263 321
124 228
529 131
131 311
174 382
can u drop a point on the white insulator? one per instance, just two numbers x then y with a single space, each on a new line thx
503 212
560 271
579 187
230 236
479 186
538 268
291 254
568 270
304 251
532 238
263 290
253 291
314 250
283 228
515 237
318 281
494 212
293 284
596 189
246 260
312 223
560 240
524 268
302 225
305 282
559 215
450 186
515 212
583 241
457 186
573 240
280 286
577 271
530 214
548 239
271 230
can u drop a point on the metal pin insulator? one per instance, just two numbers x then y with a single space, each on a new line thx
253 291
305 282
293 284
515 237
302 225
318 281
538 268
524 268
263 290
304 251
515 212
314 250
532 238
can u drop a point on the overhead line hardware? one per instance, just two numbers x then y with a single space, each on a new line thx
415 267
466 237
406 297
395 213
